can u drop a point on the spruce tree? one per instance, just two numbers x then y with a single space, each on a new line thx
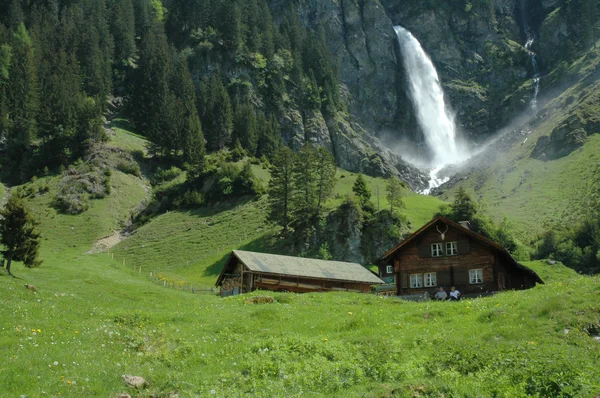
269 139
18 234
23 97
325 173
190 139
281 188
463 208
218 117
245 129
361 191
394 193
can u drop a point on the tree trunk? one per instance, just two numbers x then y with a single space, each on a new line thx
8 263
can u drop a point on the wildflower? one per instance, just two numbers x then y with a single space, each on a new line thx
349 313
325 339
39 330
55 363
213 392
76 332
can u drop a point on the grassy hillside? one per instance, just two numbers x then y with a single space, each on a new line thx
93 320
513 178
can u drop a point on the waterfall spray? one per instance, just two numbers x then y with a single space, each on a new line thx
434 117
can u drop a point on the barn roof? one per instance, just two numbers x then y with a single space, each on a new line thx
467 231
301 267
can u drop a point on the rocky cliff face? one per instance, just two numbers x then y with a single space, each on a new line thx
476 47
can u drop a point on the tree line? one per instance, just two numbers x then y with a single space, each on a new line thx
196 76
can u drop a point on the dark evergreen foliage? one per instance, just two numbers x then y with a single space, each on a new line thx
18 234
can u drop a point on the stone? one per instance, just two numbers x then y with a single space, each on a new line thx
124 395
134 381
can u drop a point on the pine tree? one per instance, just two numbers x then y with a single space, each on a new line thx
281 188
122 27
245 128
218 117
18 234
325 171
463 208
305 185
269 139
23 97
189 137
151 102
361 191
394 193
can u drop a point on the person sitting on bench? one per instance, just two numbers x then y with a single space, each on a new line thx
441 294
454 294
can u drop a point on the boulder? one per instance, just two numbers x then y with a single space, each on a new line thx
137 382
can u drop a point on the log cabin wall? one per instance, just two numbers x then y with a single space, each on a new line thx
415 258
303 285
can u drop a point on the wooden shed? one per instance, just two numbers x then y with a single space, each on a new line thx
247 271
444 253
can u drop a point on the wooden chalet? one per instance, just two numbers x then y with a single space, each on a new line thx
445 253
248 271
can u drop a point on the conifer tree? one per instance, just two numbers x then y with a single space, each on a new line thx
394 193
281 188
23 97
361 191
269 139
18 234
122 27
325 171
190 139
218 117
463 208
245 128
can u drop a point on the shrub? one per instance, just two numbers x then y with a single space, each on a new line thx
129 167
166 175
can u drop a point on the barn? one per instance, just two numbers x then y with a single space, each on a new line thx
444 253
247 271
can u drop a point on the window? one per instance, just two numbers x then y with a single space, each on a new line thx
475 276
389 269
436 250
451 248
416 280
430 279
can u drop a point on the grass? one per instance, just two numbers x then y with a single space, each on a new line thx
541 194
93 320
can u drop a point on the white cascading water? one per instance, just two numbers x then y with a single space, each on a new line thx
529 40
434 117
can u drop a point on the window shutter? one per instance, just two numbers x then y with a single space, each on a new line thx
443 278
404 280
463 247
461 277
424 250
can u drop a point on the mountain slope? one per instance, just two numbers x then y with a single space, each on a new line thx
544 173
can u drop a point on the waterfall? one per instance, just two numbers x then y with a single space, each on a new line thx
434 117
529 40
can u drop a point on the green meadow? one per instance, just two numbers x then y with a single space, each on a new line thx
94 318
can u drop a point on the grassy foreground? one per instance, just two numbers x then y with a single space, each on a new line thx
92 321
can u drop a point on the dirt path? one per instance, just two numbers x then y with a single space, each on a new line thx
108 242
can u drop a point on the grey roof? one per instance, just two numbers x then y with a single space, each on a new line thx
306 267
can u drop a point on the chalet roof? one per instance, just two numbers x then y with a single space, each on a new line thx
302 267
466 231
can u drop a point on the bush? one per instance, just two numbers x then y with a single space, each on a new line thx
80 183
166 175
129 167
